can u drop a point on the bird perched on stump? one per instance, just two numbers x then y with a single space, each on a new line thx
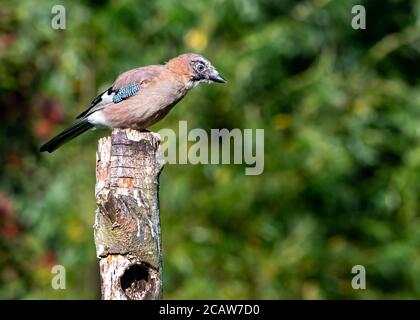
141 97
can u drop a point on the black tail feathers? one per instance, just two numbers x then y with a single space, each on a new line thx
71 132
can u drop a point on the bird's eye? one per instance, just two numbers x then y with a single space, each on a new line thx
200 68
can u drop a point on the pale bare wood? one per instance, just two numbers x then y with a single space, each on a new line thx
127 223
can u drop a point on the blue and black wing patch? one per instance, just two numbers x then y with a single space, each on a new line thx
125 92
110 96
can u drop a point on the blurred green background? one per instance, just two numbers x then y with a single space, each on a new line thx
340 109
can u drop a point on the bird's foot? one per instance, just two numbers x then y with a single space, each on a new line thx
156 136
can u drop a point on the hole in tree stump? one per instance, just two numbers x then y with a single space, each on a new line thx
135 280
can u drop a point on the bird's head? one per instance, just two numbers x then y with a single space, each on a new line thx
196 69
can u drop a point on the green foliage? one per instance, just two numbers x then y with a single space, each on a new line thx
340 111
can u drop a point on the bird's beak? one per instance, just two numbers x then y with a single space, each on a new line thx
217 78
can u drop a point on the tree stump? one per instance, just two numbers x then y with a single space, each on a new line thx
127 222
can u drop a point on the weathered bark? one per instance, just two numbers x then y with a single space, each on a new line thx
127 224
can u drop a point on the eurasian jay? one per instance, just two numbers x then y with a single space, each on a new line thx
141 97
